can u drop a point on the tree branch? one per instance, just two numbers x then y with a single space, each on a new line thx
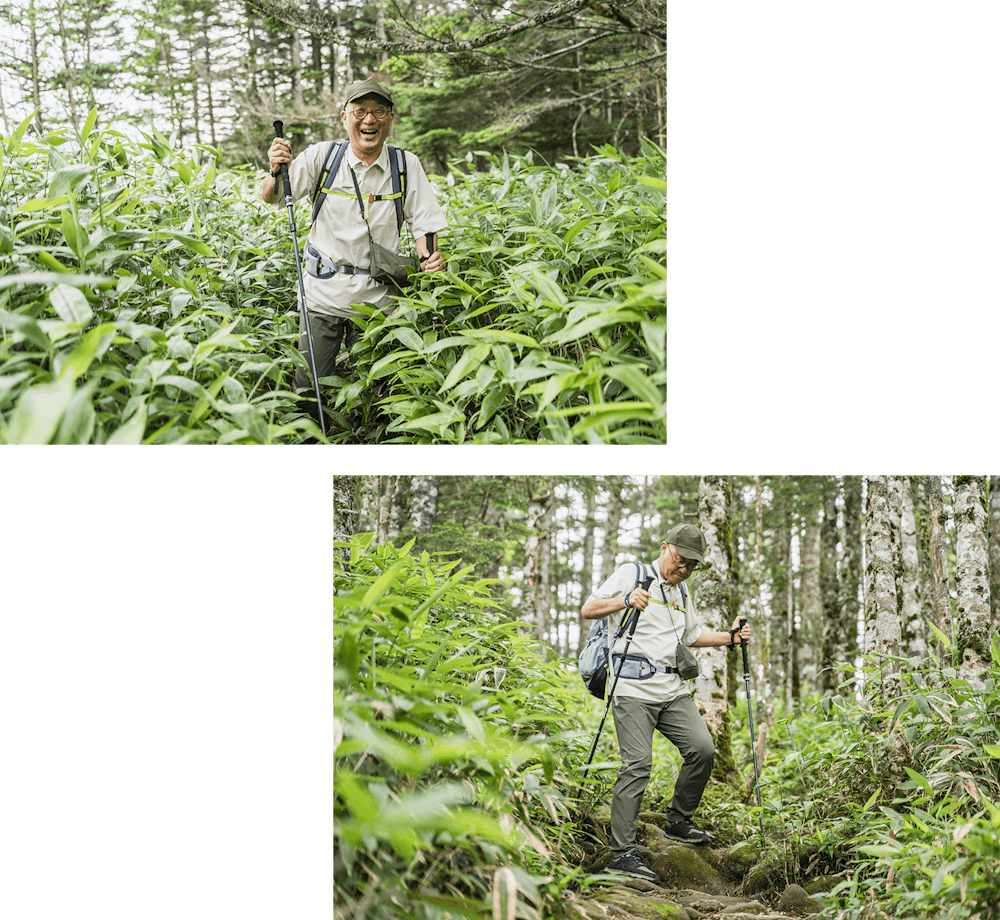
311 19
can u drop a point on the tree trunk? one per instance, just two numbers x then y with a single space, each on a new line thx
316 49
295 51
845 647
791 662
546 634
972 579
536 523
423 502
715 602
760 612
395 507
587 572
609 552
913 638
882 629
994 537
661 100
387 497
193 78
938 550
36 79
67 63
811 602
344 515
832 627
209 98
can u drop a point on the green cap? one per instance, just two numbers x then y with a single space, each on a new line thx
689 541
369 87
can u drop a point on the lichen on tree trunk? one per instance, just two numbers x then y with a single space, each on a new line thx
972 617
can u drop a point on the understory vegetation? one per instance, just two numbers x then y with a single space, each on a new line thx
458 750
148 297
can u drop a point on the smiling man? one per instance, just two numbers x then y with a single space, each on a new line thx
359 198
659 700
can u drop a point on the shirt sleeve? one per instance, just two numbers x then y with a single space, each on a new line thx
615 585
304 172
420 207
692 625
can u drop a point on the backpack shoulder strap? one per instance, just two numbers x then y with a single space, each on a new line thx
639 569
334 157
397 166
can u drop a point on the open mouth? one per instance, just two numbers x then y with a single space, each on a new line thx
369 132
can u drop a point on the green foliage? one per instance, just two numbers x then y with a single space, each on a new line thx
137 297
450 742
549 324
147 297
897 805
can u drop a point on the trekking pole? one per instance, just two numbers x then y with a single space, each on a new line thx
633 620
278 129
753 742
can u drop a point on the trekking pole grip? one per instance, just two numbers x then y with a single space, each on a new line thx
279 131
743 646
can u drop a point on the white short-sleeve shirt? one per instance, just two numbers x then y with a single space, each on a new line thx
339 232
665 620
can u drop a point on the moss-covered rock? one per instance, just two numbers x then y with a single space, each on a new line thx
736 862
824 883
796 902
683 866
647 905
656 818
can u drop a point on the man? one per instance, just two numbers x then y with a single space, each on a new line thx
661 702
339 235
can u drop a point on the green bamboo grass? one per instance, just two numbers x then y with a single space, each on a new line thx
146 296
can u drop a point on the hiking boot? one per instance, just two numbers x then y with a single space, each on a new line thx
686 832
632 863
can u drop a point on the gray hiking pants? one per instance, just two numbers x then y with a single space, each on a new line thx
328 334
681 723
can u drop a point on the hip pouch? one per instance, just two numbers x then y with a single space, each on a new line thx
388 267
687 664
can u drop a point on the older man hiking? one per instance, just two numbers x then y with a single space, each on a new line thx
659 700
359 198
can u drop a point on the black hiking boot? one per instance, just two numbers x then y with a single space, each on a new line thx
632 863
686 832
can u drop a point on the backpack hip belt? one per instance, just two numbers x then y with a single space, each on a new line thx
637 667
322 266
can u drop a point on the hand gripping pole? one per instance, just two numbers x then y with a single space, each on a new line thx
278 129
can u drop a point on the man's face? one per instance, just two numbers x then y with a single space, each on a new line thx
367 134
674 568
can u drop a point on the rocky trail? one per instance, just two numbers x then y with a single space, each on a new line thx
736 883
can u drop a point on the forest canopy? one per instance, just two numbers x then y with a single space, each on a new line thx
556 78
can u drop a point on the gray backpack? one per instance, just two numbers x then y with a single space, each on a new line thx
595 657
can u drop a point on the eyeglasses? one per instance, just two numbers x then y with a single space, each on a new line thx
683 563
361 113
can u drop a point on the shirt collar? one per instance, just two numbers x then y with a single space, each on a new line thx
382 161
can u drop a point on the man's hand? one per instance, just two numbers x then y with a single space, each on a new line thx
638 598
430 261
279 152
741 635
